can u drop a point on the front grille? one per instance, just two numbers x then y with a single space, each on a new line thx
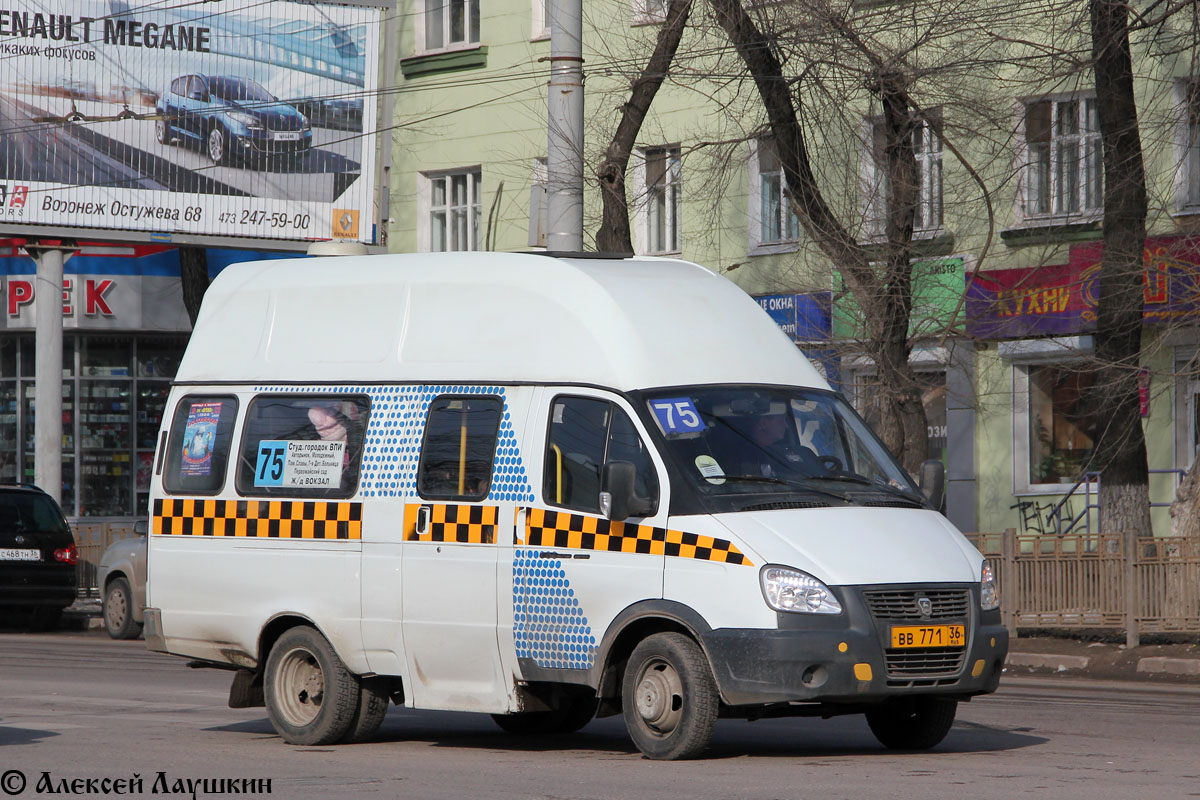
902 603
924 664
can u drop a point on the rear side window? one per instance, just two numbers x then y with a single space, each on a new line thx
459 446
585 433
198 449
27 512
303 445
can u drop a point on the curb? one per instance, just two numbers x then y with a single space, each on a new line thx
1062 663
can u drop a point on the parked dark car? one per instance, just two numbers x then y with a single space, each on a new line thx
37 557
231 118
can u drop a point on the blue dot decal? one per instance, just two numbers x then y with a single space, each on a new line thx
548 623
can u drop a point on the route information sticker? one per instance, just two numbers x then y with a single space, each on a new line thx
299 464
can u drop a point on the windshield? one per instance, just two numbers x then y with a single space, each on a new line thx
733 444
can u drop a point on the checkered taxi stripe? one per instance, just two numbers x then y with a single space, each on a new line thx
282 519
463 524
545 528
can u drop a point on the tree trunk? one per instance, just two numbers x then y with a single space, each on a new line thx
881 284
193 278
614 234
1120 446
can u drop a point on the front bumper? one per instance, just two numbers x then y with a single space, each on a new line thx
847 658
37 584
260 143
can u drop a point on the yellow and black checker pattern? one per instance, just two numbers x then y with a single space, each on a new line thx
546 528
463 524
264 519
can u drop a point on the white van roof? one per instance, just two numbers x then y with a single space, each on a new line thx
624 323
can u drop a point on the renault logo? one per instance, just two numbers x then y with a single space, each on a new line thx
925 606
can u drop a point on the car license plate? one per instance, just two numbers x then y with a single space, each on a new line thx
286 136
928 636
14 554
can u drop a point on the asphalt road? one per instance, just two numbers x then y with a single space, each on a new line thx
80 706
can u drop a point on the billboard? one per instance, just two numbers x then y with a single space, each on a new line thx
242 118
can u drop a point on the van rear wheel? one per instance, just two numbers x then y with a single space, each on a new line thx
912 723
311 698
372 708
669 697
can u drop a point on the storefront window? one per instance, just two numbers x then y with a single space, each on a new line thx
1059 443
106 356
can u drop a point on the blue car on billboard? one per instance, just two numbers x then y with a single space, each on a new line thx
232 118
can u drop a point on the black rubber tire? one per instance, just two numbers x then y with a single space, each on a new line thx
571 714
311 698
912 723
43 619
372 708
163 133
669 698
118 610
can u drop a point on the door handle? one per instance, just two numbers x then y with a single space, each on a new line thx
423 515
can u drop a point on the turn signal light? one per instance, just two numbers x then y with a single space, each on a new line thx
66 555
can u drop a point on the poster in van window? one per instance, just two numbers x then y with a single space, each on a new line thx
199 438
304 464
250 118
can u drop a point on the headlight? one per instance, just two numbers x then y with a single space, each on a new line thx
303 122
989 593
787 589
249 120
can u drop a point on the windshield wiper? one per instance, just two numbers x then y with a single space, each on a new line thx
847 478
802 485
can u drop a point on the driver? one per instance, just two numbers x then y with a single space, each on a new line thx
775 453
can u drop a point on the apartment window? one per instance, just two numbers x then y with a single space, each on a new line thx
776 222
541 19
1190 199
1060 441
451 23
454 210
927 148
662 199
1064 167
649 11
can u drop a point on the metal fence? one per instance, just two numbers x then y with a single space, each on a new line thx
93 535
1139 584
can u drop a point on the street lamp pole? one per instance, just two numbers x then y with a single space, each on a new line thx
564 154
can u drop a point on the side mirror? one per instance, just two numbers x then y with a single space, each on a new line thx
618 500
141 527
932 481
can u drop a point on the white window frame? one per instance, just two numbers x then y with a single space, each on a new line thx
788 222
541 20
1024 354
1060 204
928 220
650 12
444 7
649 212
1187 146
426 210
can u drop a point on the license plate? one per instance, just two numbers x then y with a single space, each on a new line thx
286 136
929 636
13 554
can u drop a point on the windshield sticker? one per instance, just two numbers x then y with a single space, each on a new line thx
710 469
303 464
677 416
199 437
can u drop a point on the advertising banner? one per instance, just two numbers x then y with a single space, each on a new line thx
1061 299
238 118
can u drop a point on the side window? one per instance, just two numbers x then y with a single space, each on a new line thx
198 448
459 447
584 433
303 445
179 85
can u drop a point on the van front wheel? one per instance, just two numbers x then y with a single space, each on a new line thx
669 697
912 723
311 697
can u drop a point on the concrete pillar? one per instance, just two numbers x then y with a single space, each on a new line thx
564 122
48 359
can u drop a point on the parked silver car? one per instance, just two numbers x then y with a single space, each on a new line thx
122 581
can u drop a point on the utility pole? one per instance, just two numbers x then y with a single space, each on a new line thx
48 364
564 154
